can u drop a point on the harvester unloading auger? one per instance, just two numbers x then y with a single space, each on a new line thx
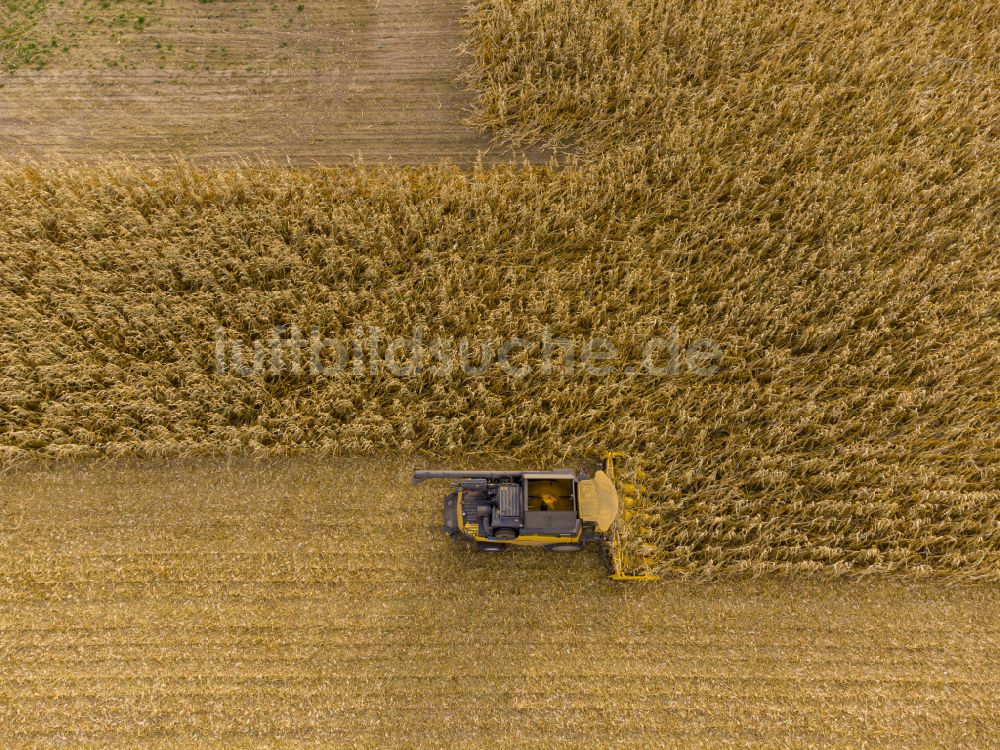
556 509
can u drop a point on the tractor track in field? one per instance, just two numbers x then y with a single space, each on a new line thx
306 602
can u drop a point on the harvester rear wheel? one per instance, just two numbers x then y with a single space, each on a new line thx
564 547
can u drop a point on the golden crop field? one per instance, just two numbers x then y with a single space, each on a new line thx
315 603
258 259
808 192
850 425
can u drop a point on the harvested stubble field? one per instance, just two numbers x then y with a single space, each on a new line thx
290 80
316 603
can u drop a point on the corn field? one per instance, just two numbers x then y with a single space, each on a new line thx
811 188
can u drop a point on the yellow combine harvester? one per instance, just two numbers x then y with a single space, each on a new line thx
556 509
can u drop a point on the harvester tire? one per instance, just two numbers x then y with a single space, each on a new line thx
488 547
564 547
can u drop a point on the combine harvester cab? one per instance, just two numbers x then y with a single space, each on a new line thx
556 509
